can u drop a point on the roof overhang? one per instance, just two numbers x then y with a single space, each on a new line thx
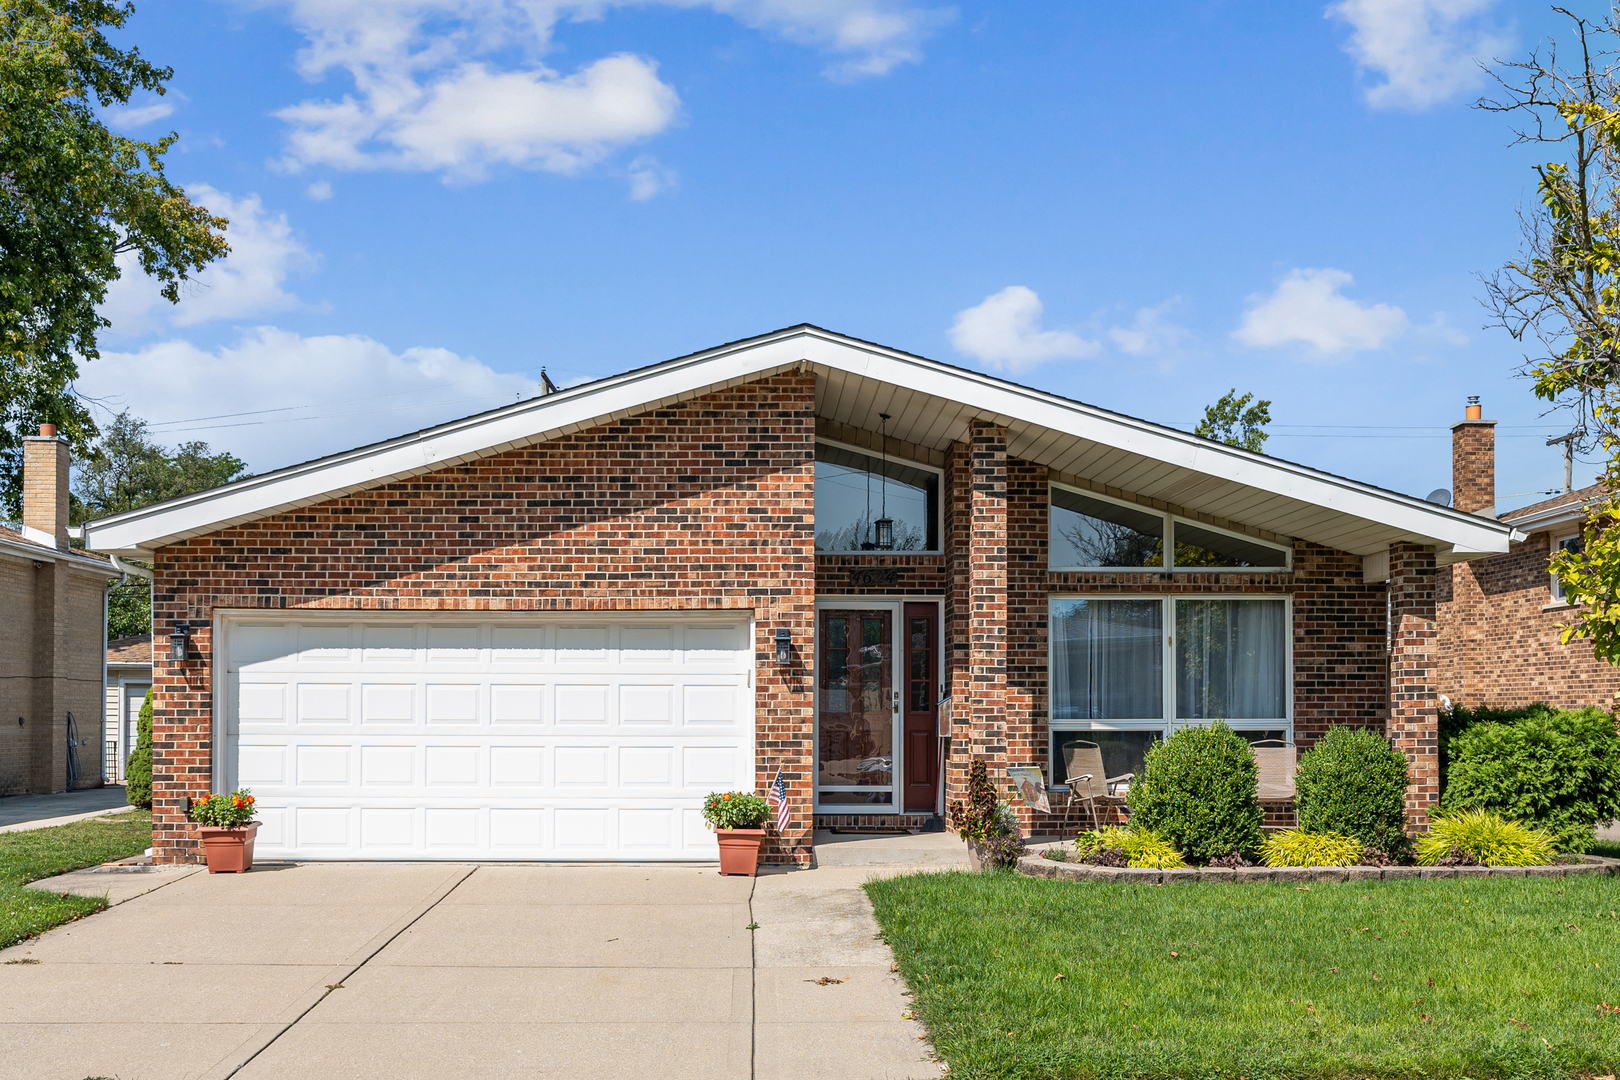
24 549
931 404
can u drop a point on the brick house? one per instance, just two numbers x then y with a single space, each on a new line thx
1499 617
52 631
547 631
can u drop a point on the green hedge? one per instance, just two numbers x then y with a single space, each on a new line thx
1353 782
1557 770
138 770
1197 790
1459 718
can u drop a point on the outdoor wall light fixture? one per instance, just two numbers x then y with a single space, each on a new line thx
784 645
883 527
178 642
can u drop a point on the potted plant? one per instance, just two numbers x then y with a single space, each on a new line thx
987 824
738 820
227 830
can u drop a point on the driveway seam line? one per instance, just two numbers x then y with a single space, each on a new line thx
347 969
753 981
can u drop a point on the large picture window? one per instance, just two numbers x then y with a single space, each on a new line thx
854 489
1087 531
1126 671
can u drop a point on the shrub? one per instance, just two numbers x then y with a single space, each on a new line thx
985 820
735 810
1459 718
1197 791
1296 847
1557 770
1487 837
1142 847
1353 783
138 769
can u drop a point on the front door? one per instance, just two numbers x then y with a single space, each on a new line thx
857 708
921 745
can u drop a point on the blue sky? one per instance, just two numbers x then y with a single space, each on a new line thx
1140 206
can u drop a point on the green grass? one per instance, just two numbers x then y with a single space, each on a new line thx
1494 978
42 853
1609 849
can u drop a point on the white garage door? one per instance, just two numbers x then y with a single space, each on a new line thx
498 738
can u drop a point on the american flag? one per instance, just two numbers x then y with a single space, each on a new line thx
777 797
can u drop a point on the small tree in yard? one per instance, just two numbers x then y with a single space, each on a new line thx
138 770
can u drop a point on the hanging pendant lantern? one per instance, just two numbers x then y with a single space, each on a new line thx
883 527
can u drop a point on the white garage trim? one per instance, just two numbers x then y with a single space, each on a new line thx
578 736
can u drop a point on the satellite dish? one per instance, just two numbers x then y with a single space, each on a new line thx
1439 496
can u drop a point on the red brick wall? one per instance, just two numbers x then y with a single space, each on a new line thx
1498 636
704 505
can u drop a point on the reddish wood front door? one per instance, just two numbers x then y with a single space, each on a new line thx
920 756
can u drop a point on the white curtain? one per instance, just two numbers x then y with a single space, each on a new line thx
1231 659
1107 659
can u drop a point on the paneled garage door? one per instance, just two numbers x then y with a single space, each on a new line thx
500 738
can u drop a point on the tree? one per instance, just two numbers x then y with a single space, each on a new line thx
1234 421
74 197
125 469
1561 294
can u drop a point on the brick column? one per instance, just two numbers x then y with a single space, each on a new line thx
1413 659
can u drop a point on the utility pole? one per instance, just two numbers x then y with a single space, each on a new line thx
1569 457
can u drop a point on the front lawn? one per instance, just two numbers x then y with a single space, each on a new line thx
42 853
1024 977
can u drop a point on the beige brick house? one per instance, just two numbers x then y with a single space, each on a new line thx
52 634
549 630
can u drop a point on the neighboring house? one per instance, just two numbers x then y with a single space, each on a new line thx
53 619
549 630
1500 617
129 677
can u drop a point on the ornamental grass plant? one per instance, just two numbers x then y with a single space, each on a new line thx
1296 847
1487 837
1142 848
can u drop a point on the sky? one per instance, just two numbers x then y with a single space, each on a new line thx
1140 206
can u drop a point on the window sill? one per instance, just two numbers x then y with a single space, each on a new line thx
1558 605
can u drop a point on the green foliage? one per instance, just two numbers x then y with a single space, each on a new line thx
1142 847
1197 790
1234 421
224 811
1557 770
129 608
1459 718
138 769
1486 835
735 810
1353 782
981 817
1296 847
75 197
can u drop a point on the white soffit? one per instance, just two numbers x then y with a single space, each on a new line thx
931 404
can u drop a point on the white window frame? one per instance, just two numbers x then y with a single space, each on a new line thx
1554 586
1170 722
1285 564
939 499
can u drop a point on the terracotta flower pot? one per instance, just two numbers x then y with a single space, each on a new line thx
230 851
739 850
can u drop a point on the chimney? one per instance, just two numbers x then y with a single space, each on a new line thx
1473 462
45 488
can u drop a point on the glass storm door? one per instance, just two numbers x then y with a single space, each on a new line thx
857 708
920 759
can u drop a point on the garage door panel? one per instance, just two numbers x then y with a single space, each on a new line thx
503 738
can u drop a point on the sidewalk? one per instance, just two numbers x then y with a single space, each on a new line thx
20 812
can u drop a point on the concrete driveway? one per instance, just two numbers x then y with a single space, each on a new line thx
431 970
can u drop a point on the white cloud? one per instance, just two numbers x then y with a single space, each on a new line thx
247 282
1426 50
319 191
1005 331
295 397
1307 308
648 176
1150 333
456 86
136 115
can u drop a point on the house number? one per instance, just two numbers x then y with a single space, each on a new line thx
874 575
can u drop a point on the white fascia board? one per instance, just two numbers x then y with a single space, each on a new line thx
38 553
1424 521
1551 517
140 532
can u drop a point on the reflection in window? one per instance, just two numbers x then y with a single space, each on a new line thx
1107 659
1203 547
1092 532
850 496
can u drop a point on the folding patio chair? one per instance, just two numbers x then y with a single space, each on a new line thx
1083 767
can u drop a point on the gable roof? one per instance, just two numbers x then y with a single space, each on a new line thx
130 651
931 404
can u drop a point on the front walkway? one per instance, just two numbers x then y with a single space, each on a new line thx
19 812
386 970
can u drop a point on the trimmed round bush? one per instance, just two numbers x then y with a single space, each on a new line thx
1558 771
1197 790
138 770
1353 782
